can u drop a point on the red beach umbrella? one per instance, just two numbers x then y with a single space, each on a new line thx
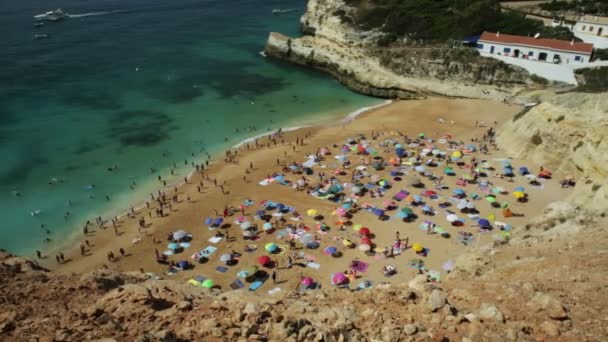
264 260
364 231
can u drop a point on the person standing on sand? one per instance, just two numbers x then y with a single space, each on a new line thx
82 249
289 262
274 277
122 251
38 254
61 257
58 259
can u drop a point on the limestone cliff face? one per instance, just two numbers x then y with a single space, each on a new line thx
332 44
567 133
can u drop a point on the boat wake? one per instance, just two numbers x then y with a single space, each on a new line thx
92 14
281 11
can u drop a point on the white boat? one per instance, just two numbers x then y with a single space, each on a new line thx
41 36
55 15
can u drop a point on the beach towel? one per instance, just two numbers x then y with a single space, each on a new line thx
275 290
221 269
207 251
314 265
194 282
237 284
266 182
215 239
256 285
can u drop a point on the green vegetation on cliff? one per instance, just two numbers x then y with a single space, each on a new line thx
440 20
596 80
593 7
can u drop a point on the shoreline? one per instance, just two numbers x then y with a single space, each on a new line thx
74 235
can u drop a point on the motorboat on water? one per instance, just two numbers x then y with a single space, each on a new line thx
55 15
278 11
38 24
41 36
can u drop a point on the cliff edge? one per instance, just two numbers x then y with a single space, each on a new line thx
357 59
567 133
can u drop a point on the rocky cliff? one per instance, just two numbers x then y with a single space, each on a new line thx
567 133
405 71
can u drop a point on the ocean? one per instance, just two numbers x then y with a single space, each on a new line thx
139 86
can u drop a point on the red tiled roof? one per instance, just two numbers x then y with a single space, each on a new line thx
552 44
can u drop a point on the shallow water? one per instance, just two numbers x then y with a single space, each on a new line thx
143 87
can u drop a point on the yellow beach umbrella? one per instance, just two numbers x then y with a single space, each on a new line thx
312 212
417 247
457 154
519 194
491 217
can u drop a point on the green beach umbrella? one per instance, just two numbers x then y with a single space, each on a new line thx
207 284
491 199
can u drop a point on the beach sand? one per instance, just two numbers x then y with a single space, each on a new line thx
408 117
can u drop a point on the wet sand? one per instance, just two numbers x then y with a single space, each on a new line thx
408 117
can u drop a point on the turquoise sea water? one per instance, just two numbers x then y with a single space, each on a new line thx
143 87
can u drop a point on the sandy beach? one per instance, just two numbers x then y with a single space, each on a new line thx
437 118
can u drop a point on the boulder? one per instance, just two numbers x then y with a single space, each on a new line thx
491 312
436 300
410 329
549 328
551 306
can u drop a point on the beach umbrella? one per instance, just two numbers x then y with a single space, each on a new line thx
330 250
398 146
415 181
429 193
448 266
271 247
462 204
523 171
264 260
457 154
520 188
260 212
173 246
355 190
357 226
420 168
364 231
247 233
218 221
338 278
451 218
378 212
225 257
483 223
347 206
459 192
208 284
519 194
252 269
182 264
364 247
307 281
491 199
417 198
421 135
470 205
405 212
240 219
425 151
180 234
306 238
340 211
417 247
208 221
436 152
347 243
312 212
366 240
365 284
245 225
267 226
506 163
242 274
277 214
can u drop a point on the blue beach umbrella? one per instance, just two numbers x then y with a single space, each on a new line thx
260 212
483 223
173 246
418 198
330 250
520 188
218 221
458 192
208 220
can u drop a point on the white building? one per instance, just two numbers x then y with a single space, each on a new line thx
593 30
534 49
587 24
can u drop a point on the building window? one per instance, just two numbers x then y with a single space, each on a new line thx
584 27
480 46
590 28
530 53
506 50
577 58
